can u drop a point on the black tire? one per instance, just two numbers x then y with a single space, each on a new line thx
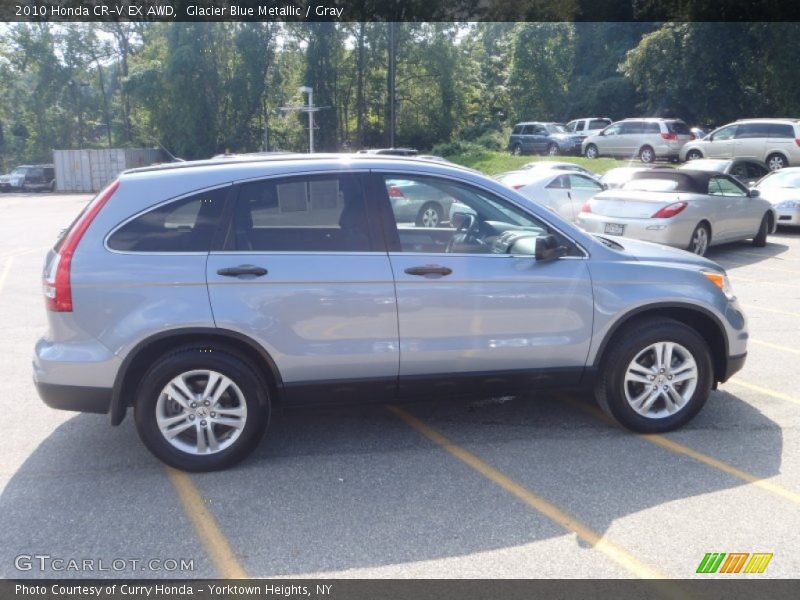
693 155
610 389
761 237
552 150
591 151
696 245
516 150
430 215
253 388
52 186
647 155
776 162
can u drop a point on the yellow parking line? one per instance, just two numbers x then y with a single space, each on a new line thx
769 310
6 271
739 264
762 390
775 346
676 448
211 536
616 553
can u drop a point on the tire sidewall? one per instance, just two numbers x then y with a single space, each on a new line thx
638 339
592 151
643 152
251 386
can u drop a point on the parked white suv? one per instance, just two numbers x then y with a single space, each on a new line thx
647 139
587 126
775 142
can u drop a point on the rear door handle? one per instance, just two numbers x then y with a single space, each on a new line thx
429 270
242 270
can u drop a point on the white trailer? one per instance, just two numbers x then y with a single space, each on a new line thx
92 170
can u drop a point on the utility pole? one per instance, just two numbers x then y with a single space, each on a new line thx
308 108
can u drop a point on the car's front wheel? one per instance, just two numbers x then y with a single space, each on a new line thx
199 409
656 376
693 155
591 151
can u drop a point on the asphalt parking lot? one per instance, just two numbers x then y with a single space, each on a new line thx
528 487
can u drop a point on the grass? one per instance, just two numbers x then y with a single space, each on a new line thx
492 163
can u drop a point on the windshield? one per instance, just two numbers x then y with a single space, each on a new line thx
780 180
651 185
555 128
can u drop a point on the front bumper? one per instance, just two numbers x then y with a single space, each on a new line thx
788 216
735 364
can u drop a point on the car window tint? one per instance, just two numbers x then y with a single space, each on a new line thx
612 129
719 186
598 123
651 128
185 225
753 130
517 129
584 183
571 126
780 130
679 127
631 127
301 214
527 130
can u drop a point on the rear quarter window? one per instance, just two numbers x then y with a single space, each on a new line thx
679 127
780 130
185 225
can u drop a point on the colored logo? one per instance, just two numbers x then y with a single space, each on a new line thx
734 562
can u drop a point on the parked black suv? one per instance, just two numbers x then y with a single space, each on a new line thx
28 178
543 138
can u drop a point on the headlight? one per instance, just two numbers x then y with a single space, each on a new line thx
721 281
789 204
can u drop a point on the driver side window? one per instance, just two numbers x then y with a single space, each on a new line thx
433 215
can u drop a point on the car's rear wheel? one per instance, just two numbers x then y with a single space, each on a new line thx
430 215
761 237
591 151
775 162
701 238
647 155
694 155
198 409
552 150
656 376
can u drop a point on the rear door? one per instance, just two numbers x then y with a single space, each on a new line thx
304 272
750 140
630 138
781 139
474 318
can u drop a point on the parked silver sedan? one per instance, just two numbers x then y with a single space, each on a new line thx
681 208
563 192
782 189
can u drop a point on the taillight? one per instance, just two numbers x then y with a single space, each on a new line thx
797 141
57 287
670 136
518 186
394 192
670 210
587 207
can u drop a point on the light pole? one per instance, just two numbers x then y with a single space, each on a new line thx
304 89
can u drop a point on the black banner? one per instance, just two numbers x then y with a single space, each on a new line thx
359 589
399 10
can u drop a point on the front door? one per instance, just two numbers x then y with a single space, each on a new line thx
476 311
304 274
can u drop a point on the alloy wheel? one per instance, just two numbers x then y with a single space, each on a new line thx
661 380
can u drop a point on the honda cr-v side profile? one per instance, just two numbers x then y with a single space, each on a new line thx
200 295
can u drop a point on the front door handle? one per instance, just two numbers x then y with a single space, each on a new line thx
429 270
242 270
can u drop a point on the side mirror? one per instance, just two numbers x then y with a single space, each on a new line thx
753 193
547 248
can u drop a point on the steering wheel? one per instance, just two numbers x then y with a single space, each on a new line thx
466 233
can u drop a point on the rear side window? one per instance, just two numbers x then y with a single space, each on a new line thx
517 130
753 130
631 127
185 225
598 123
303 214
650 127
527 130
780 130
679 127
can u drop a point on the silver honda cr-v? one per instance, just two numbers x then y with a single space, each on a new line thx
203 294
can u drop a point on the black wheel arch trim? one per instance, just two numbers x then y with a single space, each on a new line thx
660 306
120 396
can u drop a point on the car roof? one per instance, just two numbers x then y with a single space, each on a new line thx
768 119
652 119
688 180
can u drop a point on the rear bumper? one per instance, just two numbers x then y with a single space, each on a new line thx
75 398
735 364
660 231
